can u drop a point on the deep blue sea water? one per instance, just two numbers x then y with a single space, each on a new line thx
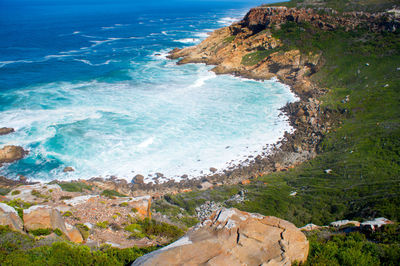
86 84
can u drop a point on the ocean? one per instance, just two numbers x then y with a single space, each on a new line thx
87 84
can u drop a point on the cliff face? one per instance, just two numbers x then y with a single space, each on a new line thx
248 49
261 17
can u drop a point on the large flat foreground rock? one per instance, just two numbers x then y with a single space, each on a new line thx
232 237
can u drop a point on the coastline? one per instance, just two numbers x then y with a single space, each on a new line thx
280 156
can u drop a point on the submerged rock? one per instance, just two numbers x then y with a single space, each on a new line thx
6 130
233 237
68 169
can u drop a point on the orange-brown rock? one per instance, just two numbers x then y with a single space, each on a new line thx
232 237
73 234
11 153
41 216
141 204
9 216
245 182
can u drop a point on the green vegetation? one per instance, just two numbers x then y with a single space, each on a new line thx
123 204
254 58
4 191
41 232
112 193
84 230
229 39
19 249
58 232
19 205
342 5
74 186
37 194
363 152
103 224
15 192
151 229
67 214
381 247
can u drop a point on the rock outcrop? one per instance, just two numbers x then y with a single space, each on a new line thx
9 216
6 130
261 17
232 237
11 153
42 216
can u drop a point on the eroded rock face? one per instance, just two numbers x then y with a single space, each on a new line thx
11 153
232 237
41 216
9 216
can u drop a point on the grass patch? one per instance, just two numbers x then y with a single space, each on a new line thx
354 249
84 230
254 58
15 192
74 186
229 39
112 193
41 232
4 191
152 229
103 224
19 205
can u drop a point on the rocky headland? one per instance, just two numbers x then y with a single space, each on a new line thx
119 213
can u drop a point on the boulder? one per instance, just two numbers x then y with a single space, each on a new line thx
73 234
233 237
9 216
68 169
6 130
42 216
141 204
11 153
138 179
374 224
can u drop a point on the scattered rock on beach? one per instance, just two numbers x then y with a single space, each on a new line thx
138 179
213 170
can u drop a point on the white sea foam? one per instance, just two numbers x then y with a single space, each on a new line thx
226 21
188 40
202 35
76 32
91 64
4 63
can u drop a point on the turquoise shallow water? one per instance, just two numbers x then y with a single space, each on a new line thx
89 86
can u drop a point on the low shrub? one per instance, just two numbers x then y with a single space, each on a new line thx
74 186
103 224
41 232
112 193
15 192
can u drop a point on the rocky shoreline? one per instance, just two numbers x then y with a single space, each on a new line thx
225 48
230 50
